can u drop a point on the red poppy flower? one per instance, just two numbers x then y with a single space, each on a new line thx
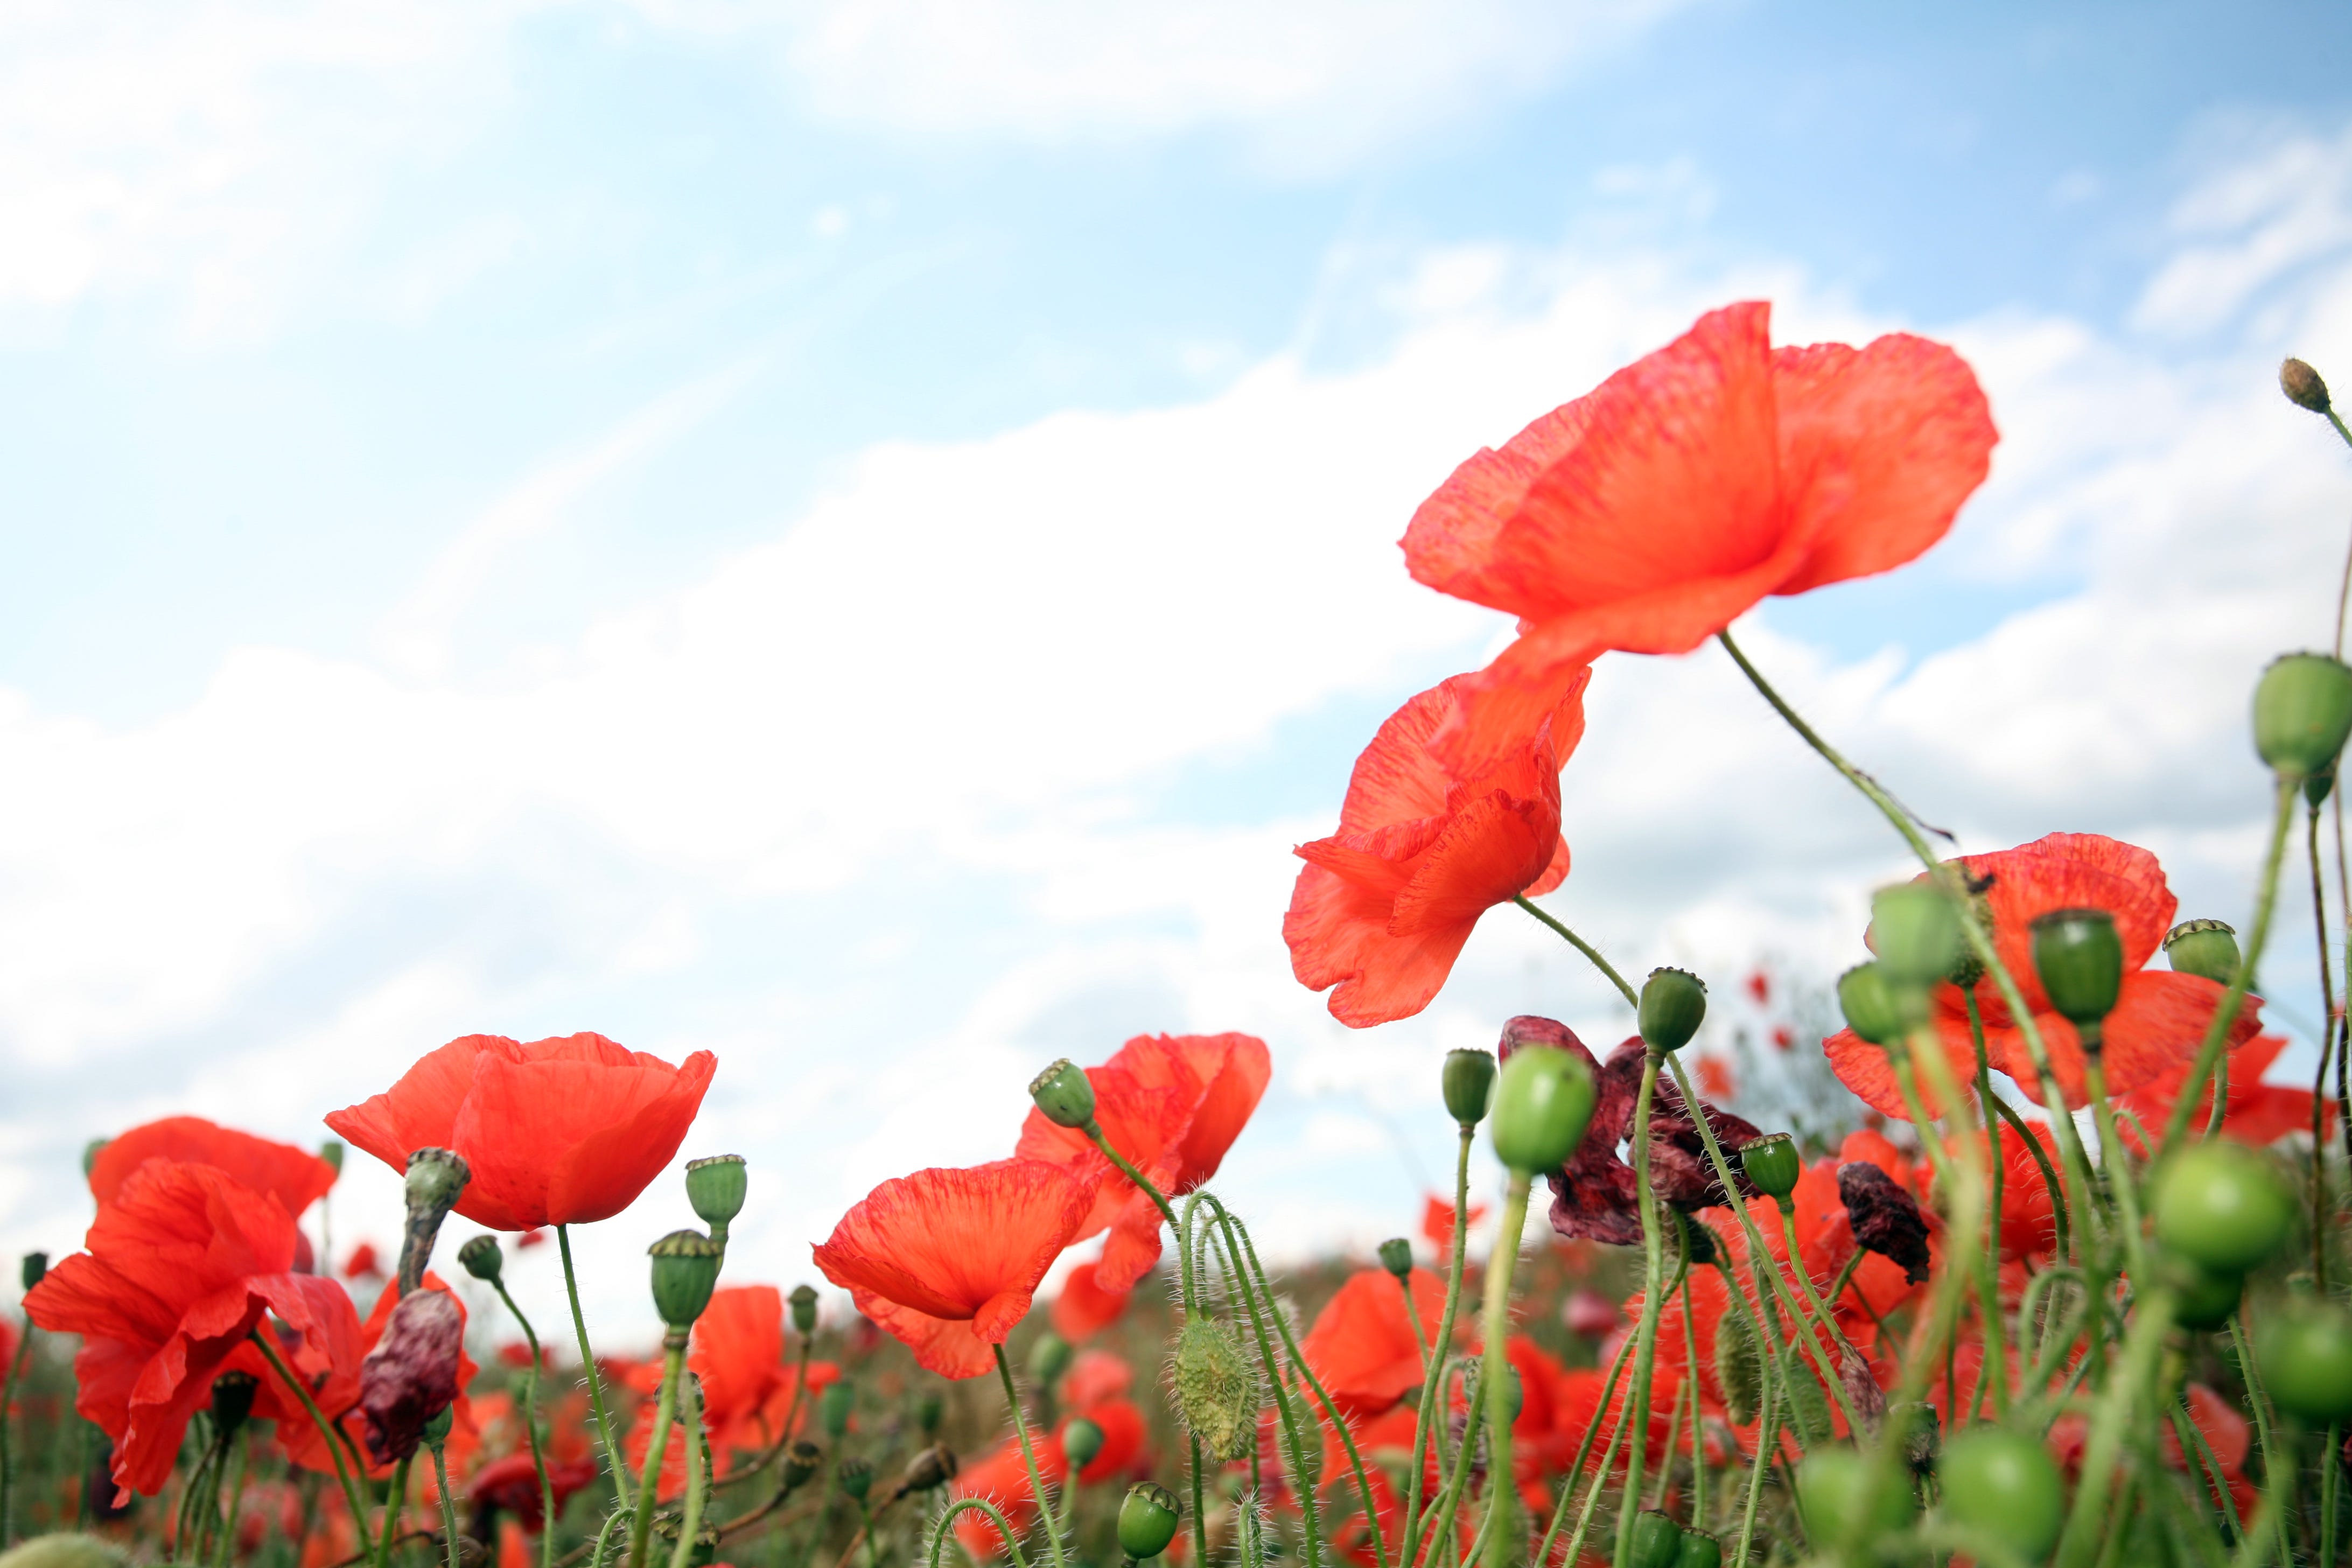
180 1269
363 1264
512 1484
1122 1444
558 1132
1096 1377
334 1378
1383 907
947 1260
1437 1223
1003 1478
1084 1308
737 1351
1172 1105
1363 1346
2258 1113
295 1177
1654 511
2161 1016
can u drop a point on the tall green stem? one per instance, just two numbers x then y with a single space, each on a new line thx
448 1505
641 1524
530 1426
1823 1322
395 1502
1653 1280
698 1476
1767 1438
1995 1372
613 1462
327 1435
2133 1371
1029 1452
2319 1082
1425 1413
1502 1494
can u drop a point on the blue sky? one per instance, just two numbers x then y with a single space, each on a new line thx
857 535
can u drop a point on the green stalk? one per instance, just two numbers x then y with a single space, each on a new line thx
2319 1082
613 1463
1821 1319
1767 1438
2265 1434
1502 1494
326 1431
1697 1417
1653 1279
2114 1158
975 1505
641 1525
1583 1451
1303 1479
395 1503
226 1546
530 1425
2331 1464
1425 1421
2133 1370
2008 1113
698 1477
1029 1452
1995 1371
1450 1499
1575 1552
448 1504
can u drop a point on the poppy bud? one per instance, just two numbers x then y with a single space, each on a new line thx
435 1431
934 1467
1147 1520
2303 387
2202 1298
1049 1356
1081 1441
1515 1392
36 1269
90 1152
437 1177
2006 1485
2208 948
1396 1257
2316 787
1885 1219
331 1151
1740 1369
1657 1540
803 1310
801 1462
1700 1550
928 1410
1674 1003
1773 1164
1216 1391
2306 1352
1917 934
1844 1498
833 1408
715 1187
233 1394
686 1271
481 1257
2302 712
1869 1004
2080 960
411 1373
1063 1093
855 1477
1543 1100
2221 1206
1469 1083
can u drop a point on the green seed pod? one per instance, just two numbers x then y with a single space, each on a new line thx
801 1462
854 1476
2318 787
1673 1004
1147 1520
331 1151
2302 712
2306 1351
435 1430
1809 1404
716 1187
1049 1357
481 1258
1063 1094
2221 1206
1543 1100
1869 1005
2006 1485
2202 1298
934 1467
1845 1500
833 1408
2080 960
34 1269
2303 385
1657 1540
2207 948
1216 1388
1916 932
804 1301
1469 1084
1396 1257
686 1271
1700 1550
1081 1441
1739 1368
1773 1164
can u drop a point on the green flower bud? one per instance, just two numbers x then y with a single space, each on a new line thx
90 1153
2080 960
855 1477
1773 1164
1916 932
1657 1540
715 1187
1844 1499
1469 1084
686 1271
1869 1004
1216 1388
2202 1298
1674 1003
1543 1100
481 1258
2221 1206
436 1178
2207 948
1396 1257
2006 1485
2306 1351
1063 1093
1147 1520
65 1549
2302 712
2303 385
1700 1550
1515 1392
435 1430
1049 1356
331 1151
233 1394
35 1269
928 1410
1739 1368
804 1301
801 1462
833 1408
1081 1441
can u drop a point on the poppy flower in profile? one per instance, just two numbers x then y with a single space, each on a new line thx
1084 1309
1172 1105
1363 1346
558 1131
296 1177
2160 1015
180 1268
1096 1377
947 1260
511 1485
1385 906
2258 1113
1659 508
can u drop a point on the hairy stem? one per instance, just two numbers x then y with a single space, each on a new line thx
613 1463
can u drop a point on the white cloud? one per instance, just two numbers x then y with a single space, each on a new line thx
2247 224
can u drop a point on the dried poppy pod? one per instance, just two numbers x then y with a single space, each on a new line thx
2207 948
802 1461
934 1467
2303 713
412 1374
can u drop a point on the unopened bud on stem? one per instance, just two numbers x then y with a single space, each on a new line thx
1673 1004
1396 1257
1543 1101
685 1272
2303 385
2302 713
804 1301
436 1178
481 1258
2080 960
1063 1094
1469 1084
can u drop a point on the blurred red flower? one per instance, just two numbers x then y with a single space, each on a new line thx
1003 1478
946 1259
296 1177
737 1351
1654 511
1714 1077
1096 1377
1363 1345
1382 907
2257 1112
1084 1308
1437 1223
2159 1018
363 1263
1123 1431
511 1484
558 1131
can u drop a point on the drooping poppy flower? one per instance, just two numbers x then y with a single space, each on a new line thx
1172 1105
296 1177
1363 1345
1084 1309
1654 511
1383 907
2160 1015
180 1269
558 1131
334 1378
1003 1478
2258 1113
946 1260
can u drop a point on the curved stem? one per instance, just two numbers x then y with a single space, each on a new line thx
530 1426
1029 1454
1502 1493
2266 1435
1236 1234
326 1433
1425 1417
448 1504
613 1463
975 1505
641 1525
1631 998
1653 1279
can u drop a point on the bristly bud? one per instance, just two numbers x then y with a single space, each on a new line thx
481 1258
833 1407
2080 960
802 1461
934 1467
804 1301
2302 713
1740 1368
1543 1101
2303 385
1063 1094
331 1151
1081 1441
1773 1164
1396 1257
411 1373
2207 948
928 1410
1673 1004
36 1269
855 1477
685 1272
1885 1218
1700 1550
436 1178
1656 1540
1698 1248
1469 1084
233 1394
716 1187
1869 1004
1147 1520
1217 1389
1916 932
1049 1357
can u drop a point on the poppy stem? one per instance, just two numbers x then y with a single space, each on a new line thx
1697 1416
641 1524
1575 1471
1995 1370
2267 1437
698 1476
449 1503
326 1432
1632 999
1831 1375
395 1502
975 1505
2115 1160
530 1426
1433 1355
2217 1033
1653 1279
613 1463
1029 1455
2319 1085
1238 1247
1767 1439
2151 1318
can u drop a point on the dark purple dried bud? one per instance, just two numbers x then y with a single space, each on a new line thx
1860 1383
411 1376
1885 1218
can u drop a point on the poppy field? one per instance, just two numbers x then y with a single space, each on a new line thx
2048 1270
